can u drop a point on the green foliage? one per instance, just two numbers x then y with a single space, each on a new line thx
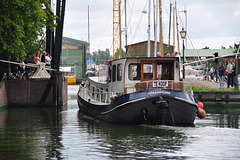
236 47
22 22
203 89
101 57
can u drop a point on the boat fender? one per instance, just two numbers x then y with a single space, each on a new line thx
201 113
112 97
200 104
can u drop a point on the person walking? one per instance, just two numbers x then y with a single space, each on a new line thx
221 70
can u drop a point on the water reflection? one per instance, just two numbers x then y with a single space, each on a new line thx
30 133
55 133
224 116
133 141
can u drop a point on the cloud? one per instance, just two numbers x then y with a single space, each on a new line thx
214 42
237 10
210 23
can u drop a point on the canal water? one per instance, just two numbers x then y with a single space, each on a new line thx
66 133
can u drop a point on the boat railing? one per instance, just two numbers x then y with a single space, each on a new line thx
98 95
158 84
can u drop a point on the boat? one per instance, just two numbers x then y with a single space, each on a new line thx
69 74
139 90
71 79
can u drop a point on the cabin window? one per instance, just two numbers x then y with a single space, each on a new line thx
109 73
165 70
148 71
93 90
98 94
114 73
102 95
107 95
119 72
134 71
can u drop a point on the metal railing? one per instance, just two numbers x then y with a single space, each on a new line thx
102 96
98 96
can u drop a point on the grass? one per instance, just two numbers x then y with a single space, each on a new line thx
202 89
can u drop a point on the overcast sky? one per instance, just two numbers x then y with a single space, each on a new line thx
212 23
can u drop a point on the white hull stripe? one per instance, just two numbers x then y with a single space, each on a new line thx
186 100
123 105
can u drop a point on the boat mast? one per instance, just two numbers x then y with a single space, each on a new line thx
125 7
185 12
169 35
177 28
88 32
155 28
174 21
161 49
149 13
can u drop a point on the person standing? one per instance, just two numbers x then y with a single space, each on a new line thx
43 60
21 68
48 59
221 70
234 80
229 73
36 58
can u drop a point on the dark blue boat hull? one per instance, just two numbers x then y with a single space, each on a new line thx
153 107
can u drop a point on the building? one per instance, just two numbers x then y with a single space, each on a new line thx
74 56
141 49
200 54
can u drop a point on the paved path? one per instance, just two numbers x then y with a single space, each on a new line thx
206 84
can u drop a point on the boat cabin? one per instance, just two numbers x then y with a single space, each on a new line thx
129 75
136 74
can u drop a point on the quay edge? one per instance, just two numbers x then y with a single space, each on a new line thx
32 92
218 97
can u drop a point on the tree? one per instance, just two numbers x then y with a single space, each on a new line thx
22 22
99 57
236 47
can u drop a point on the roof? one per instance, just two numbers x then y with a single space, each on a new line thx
207 52
151 41
65 39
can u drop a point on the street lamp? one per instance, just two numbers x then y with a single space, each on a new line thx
183 36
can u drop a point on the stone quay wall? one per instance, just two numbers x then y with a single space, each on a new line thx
33 92
218 97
